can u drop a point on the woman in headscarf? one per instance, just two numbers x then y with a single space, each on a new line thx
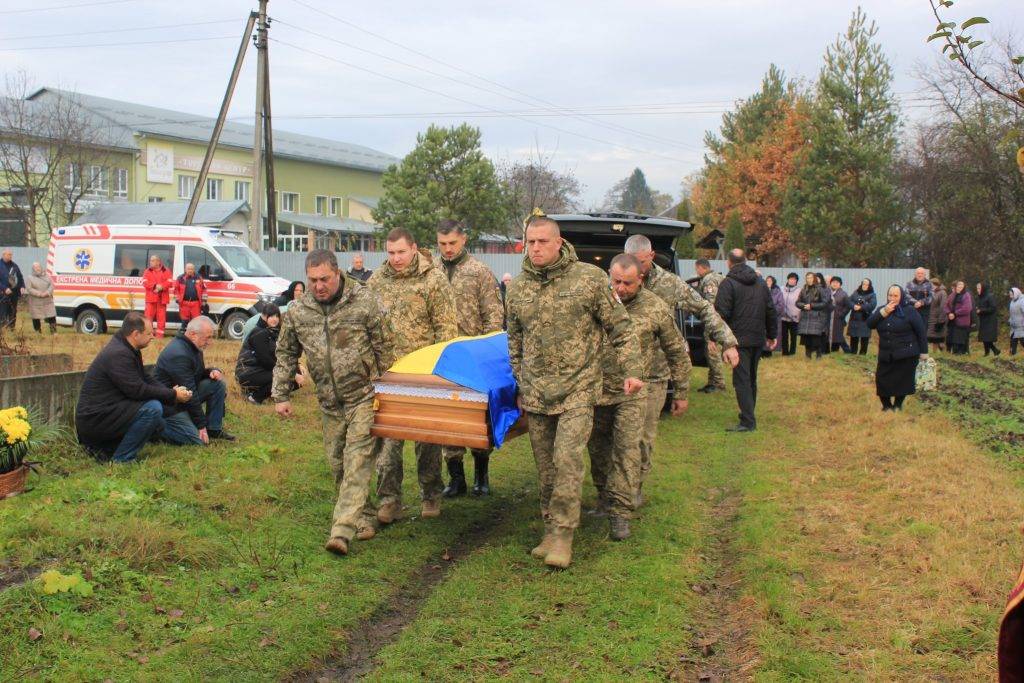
862 304
39 288
959 307
937 315
779 304
1016 319
988 319
813 316
902 342
254 369
295 290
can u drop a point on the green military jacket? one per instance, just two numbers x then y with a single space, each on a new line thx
558 317
656 332
709 286
344 343
418 304
678 294
477 297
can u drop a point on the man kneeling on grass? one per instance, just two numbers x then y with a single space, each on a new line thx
120 407
181 363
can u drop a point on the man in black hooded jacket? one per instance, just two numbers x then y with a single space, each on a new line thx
745 304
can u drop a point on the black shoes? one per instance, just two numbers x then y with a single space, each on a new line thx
457 482
710 389
481 482
741 428
618 528
222 434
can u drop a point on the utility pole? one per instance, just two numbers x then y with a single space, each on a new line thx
255 198
268 138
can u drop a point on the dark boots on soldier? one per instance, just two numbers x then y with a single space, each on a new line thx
618 528
481 483
457 480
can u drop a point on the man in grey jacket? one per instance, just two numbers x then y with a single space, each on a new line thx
921 291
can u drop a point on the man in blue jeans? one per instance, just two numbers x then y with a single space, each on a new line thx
182 363
120 407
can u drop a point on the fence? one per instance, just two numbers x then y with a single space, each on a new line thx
289 265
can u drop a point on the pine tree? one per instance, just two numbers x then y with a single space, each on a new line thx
684 246
734 237
636 195
842 203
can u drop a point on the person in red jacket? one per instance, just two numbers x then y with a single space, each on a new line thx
157 281
190 293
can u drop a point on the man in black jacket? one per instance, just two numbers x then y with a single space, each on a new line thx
745 303
181 362
120 408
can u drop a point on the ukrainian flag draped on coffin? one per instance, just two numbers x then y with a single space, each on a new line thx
480 363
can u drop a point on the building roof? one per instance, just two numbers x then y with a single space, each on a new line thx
121 122
162 213
371 202
313 221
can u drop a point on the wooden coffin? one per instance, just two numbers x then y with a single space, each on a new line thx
431 409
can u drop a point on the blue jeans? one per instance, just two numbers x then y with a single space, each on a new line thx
148 421
179 428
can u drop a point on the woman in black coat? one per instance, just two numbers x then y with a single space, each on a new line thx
255 367
902 342
813 316
295 290
988 319
862 304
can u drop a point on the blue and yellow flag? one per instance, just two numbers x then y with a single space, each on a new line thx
480 363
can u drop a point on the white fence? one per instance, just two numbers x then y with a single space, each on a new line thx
289 265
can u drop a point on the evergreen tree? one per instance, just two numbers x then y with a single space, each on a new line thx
734 237
446 176
684 246
631 194
842 203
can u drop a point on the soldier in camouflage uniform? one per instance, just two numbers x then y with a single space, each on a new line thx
339 325
559 311
678 295
708 288
480 311
618 419
420 311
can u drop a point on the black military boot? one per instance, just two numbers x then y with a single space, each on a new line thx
457 482
481 483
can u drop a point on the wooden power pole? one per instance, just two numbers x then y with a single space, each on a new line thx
255 200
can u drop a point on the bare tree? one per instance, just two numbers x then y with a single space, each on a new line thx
534 184
53 153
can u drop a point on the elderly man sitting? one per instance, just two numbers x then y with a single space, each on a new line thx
120 407
181 362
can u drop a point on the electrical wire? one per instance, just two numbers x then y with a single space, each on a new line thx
119 30
92 45
72 6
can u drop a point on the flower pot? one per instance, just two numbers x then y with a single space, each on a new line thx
12 483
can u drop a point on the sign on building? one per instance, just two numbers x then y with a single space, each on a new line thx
159 163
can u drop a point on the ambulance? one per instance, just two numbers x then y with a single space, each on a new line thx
97 273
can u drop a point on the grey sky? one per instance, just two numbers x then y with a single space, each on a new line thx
689 60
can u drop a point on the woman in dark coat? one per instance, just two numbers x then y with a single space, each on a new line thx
295 290
813 306
959 310
254 369
937 322
902 342
779 304
988 319
822 283
862 304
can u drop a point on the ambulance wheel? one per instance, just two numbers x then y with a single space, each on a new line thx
231 326
90 321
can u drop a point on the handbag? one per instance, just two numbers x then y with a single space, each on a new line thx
927 376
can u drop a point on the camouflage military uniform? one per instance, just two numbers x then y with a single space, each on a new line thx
617 463
678 295
420 311
479 310
716 367
344 345
557 319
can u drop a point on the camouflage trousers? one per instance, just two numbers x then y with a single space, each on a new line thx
390 470
655 401
716 366
614 447
350 453
450 453
558 442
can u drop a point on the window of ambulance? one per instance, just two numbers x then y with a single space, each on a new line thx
244 261
131 260
207 264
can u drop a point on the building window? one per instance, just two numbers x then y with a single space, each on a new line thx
214 188
73 180
186 186
289 202
321 205
154 200
335 206
289 237
121 183
242 190
97 181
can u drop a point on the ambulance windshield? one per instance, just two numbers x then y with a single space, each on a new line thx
244 262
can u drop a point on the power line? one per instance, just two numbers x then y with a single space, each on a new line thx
56 7
92 45
120 30
474 104
483 78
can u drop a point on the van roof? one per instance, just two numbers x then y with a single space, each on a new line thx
103 231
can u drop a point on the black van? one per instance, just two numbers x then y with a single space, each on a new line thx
598 237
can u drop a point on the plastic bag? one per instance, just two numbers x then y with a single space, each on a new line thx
927 378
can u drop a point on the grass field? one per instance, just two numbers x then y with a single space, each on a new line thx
836 542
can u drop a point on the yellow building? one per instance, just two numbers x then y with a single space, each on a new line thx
154 155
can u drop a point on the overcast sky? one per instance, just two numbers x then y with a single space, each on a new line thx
644 80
